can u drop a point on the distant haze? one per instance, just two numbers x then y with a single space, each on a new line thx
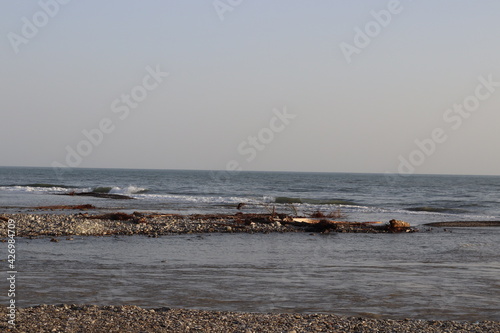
340 86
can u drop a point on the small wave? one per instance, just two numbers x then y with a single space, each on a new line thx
102 189
39 185
285 200
42 185
35 189
127 190
178 198
119 190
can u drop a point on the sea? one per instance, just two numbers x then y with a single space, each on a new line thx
434 274
361 197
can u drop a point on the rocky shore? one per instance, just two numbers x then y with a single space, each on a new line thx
152 224
91 318
81 224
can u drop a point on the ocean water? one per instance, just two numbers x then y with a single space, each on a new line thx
361 197
441 273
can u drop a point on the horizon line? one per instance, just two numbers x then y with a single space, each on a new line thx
257 171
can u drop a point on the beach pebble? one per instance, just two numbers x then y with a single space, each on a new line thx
126 318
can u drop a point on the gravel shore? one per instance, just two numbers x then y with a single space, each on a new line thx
91 318
152 224
58 225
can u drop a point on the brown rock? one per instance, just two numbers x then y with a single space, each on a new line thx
396 224
142 220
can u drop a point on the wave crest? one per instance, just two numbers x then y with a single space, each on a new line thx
131 189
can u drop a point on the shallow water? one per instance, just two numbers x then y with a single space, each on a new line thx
429 275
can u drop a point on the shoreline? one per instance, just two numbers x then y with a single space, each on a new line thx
58 224
127 318
153 224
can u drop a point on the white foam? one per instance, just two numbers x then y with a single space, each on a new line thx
32 189
178 198
131 189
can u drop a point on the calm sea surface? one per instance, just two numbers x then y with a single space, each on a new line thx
434 274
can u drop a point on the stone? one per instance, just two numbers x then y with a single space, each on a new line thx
398 224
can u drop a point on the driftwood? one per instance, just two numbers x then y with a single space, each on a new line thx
325 225
342 226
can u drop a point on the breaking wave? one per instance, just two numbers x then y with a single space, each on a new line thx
61 189
34 188
128 190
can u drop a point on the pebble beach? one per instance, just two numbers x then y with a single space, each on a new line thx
91 318
82 224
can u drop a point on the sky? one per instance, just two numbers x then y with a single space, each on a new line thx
408 87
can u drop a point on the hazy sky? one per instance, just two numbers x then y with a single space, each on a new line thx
342 86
